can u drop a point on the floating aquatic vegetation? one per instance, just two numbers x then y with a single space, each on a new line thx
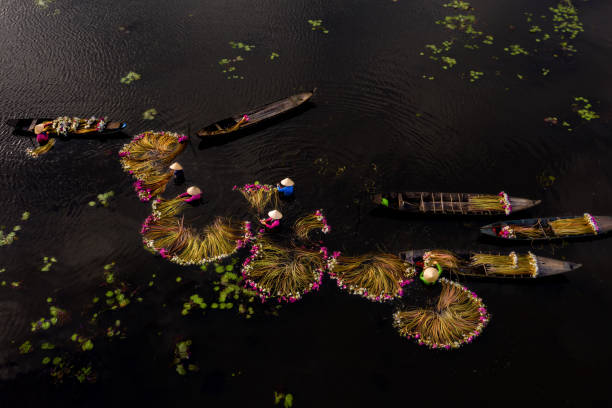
304 225
43 3
317 25
40 150
182 353
509 265
149 114
475 75
47 263
457 4
130 77
85 343
286 399
185 246
274 55
546 180
566 20
9 238
26 347
61 368
515 49
583 108
375 276
103 199
283 273
241 46
147 158
457 318
57 316
229 68
259 195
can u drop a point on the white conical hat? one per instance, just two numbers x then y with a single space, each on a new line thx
176 166
39 128
193 190
275 214
430 274
287 182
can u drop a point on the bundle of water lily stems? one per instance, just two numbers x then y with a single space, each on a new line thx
457 318
40 150
507 265
259 195
485 203
317 221
375 276
282 273
446 259
147 158
186 246
575 226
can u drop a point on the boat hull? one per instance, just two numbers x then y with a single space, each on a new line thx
604 223
25 127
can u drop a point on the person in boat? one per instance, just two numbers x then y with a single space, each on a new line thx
273 219
192 195
179 174
285 187
430 275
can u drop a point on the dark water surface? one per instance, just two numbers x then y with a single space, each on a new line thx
374 124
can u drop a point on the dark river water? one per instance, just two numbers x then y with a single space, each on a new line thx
376 123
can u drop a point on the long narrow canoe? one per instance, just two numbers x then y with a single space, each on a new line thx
545 266
257 115
549 228
27 127
451 203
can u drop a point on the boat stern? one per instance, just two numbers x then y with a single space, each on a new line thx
491 230
549 266
519 204
302 97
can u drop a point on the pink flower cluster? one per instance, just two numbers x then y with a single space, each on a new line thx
101 124
505 202
143 193
507 232
248 236
592 222
320 217
146 224
253 187
182 138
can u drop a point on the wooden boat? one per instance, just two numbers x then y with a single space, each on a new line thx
255 116
542 228
545 266
449 203
29 127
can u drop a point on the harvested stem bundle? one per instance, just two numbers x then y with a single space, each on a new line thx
259 195
575 226
148 156
185 246
484 203
163 208
303 226
377 277
533 231
509 265
283 273
457 318
444 258
40 150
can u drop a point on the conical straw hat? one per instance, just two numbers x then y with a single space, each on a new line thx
275 214
430 274
176 166
193 190
287 182
39 128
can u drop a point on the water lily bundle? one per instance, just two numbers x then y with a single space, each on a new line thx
522 231
163 208
282 273
457 318
149 154
508 265
152 185
500 202
40 150
378 277
317 221
575 226
186 246
64 125
446 259
259 195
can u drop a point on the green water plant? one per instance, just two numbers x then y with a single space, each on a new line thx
10 237
566 20
26 347
149 114
317 25
582 106
182 353
47 263
475 75
241 46
274 56
103 199
130 77
285 399
56 316
515 49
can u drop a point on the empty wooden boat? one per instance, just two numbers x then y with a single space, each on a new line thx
453 203
488 265
252 117
550 228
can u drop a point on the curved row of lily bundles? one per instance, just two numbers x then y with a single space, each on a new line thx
287 273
